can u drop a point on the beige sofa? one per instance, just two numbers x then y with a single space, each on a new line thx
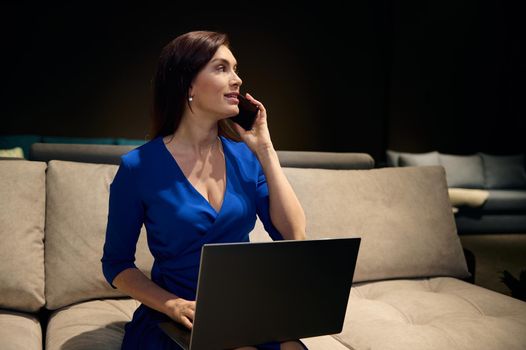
410 289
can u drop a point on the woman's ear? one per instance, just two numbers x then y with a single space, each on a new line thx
190 96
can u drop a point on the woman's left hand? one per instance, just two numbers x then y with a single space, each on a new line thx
259 137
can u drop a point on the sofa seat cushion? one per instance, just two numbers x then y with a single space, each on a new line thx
19 331
325 342
477 222
432 313
506 200
97 324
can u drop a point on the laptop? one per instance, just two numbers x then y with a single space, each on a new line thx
251 293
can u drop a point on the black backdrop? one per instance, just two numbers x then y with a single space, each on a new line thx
410 76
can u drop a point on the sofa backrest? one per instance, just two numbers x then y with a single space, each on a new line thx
85 153
479 170
69 198
403 216
76 218
25 141
110 154
325 160
23 198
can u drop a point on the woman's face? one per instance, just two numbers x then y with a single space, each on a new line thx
214 82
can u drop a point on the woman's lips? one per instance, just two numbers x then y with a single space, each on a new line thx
232 100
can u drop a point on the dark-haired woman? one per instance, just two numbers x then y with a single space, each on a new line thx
200 179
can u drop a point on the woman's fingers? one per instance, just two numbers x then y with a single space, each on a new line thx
186 313
189 310
252 99
186 322
188 317
191 315
239 129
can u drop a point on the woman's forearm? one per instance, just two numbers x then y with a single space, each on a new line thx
286 212
135 284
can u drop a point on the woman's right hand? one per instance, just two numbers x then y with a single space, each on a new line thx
182 311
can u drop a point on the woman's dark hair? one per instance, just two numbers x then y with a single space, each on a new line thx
180 62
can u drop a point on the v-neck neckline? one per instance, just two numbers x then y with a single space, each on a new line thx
191 186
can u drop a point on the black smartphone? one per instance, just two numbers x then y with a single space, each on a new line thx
247 113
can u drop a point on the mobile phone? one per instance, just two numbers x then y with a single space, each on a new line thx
247 113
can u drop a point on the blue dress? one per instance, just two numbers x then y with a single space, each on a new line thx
150 188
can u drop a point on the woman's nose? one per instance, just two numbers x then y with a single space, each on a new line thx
237 80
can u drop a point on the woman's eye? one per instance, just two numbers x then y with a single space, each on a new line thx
221 68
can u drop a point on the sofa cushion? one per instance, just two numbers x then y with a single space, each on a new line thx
324 343
22 191
19 331
97 324
403 216
258 233
76 218
474 198
463 171
15 152
418 159
434 313
504 172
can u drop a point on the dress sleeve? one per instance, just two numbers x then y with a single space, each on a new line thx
125 219
262 205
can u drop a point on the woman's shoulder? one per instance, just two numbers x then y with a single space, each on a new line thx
246 161
141 155
240 149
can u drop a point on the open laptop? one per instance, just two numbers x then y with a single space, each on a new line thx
251 293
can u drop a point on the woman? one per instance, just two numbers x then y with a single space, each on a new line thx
200 179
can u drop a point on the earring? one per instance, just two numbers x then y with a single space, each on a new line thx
190 99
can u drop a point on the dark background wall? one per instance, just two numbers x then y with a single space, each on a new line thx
409 76
458 75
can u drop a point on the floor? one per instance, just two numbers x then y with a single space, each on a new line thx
495 253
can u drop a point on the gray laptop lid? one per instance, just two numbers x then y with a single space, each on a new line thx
255 292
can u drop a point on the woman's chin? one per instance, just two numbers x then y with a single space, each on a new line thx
231 113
